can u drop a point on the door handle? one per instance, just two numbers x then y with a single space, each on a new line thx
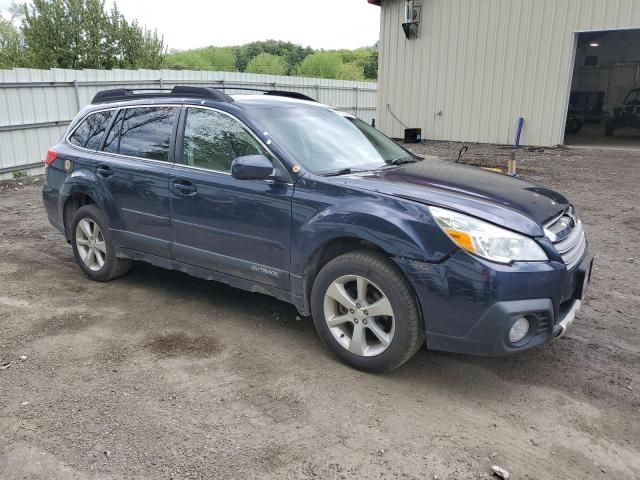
104 171
185 187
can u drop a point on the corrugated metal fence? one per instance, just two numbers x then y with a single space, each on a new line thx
37 105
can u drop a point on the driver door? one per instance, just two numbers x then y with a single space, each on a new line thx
237 227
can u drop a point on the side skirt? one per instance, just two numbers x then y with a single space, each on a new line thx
207 274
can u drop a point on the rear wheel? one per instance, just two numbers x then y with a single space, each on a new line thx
364 311
93 246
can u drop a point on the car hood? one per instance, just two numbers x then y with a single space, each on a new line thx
507 201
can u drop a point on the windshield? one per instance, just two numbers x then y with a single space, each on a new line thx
326 141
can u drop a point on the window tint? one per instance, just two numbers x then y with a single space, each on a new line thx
143 132
212 140
89 133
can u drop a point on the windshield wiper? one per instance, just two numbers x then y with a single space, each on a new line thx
344 171
403 160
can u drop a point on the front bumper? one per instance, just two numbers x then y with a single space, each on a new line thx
469 304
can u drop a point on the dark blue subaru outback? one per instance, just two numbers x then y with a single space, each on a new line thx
278 194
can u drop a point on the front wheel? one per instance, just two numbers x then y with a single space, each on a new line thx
365 312
93 246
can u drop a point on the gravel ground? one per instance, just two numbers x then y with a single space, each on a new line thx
159 375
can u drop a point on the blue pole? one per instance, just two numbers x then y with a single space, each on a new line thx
516 142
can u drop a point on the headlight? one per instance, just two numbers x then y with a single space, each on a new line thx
485 239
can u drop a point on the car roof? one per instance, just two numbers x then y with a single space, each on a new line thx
273 100
235 102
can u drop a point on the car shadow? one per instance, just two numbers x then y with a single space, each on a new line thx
459 374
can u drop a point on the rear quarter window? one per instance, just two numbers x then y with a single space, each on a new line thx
91 130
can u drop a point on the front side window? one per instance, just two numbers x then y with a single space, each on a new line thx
326 141
143 132
212 140
90 132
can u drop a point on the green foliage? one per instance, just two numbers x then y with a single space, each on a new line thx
367 59
340 64
321 64
82 34
350 71
219 59
12 49
267 63
280 58
292 53
10 44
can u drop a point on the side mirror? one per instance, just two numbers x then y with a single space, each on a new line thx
251 167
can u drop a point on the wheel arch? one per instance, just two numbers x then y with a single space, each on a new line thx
337 246
83 187
71 205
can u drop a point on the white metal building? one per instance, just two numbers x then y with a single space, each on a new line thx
468 69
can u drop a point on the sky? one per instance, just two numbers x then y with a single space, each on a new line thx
328 24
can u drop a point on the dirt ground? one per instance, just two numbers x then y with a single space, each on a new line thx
158 375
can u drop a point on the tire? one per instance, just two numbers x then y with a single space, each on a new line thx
381 280
95 251
608 129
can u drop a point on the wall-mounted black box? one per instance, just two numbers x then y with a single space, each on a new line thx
412 135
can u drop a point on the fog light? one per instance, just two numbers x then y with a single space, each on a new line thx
519 330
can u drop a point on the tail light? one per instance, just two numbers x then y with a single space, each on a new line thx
50 158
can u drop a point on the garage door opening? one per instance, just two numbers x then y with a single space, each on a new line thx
604 103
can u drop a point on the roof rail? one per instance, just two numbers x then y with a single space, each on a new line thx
210 93
120 94
276 93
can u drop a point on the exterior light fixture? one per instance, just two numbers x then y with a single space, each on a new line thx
411 18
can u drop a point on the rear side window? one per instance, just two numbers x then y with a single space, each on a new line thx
143 132
90 132
111 143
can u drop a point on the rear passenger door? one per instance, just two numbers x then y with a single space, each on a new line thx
238 227
134 167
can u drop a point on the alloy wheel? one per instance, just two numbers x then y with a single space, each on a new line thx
359 315
91 245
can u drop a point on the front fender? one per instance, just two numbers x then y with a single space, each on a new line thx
397 226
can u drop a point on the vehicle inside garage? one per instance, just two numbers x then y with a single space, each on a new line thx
604 104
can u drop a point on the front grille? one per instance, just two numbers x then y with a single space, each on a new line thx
567 235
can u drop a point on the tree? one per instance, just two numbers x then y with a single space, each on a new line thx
321 64
209 58
292 53
349 71
82 34
367 59
267 63
11 48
